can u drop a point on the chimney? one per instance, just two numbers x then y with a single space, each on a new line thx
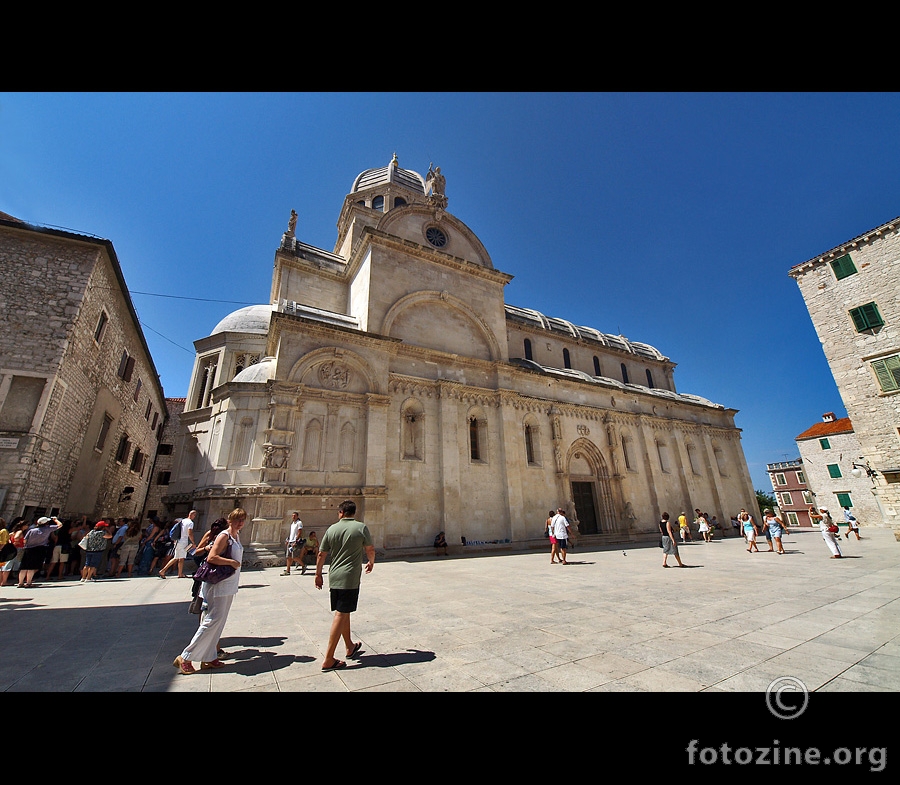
828 417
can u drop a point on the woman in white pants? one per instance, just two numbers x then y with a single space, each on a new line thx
204 646
829 537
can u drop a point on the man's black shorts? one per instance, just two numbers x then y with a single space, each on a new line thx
344 600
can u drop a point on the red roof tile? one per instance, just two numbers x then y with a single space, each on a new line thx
821 429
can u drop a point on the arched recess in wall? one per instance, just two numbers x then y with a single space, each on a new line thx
412 430
311 460
335 369
629 454
438 320
347 447
591 488
721 463
242 442
693 457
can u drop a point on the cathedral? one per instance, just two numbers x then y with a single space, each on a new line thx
391 371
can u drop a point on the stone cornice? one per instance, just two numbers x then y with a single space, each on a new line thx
864 239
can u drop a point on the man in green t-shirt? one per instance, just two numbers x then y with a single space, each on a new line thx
345 541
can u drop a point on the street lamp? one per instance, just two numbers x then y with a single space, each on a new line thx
857 470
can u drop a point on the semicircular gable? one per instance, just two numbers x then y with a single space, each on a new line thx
333 369
437 320
410 222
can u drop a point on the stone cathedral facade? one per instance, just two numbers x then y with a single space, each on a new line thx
391 370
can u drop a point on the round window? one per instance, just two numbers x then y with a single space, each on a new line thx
436 237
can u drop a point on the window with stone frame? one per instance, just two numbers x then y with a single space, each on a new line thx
887 372
123 449
834 471
843 267
207 381
786 499
532 434
104 432
100 329
477 432
866 317
126 366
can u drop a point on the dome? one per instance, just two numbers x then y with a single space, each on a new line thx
252 319
261 372
392 173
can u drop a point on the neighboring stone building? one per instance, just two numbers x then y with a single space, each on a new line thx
154 505
81 405
391 371
792 495
852 293
830 451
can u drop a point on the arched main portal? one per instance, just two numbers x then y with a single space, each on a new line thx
591 488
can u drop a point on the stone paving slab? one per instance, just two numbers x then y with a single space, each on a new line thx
612 621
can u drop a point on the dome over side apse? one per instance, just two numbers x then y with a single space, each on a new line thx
261 372
252 319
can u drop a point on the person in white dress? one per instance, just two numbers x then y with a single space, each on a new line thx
204 646
830 537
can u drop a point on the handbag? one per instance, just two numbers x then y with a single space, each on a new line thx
8 552
833 528
196 605
82 543
214 573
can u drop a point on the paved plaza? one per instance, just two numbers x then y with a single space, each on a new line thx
613 620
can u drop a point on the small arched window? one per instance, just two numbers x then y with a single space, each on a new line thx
528 355
478 446
624 373
597 366
378 203
567 359
399 201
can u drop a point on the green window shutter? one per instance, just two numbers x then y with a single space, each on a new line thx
825 444
844 500
843 266
888 373
866 317
834 471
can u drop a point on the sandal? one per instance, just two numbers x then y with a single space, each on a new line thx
338 664
216 663
184 667
285 573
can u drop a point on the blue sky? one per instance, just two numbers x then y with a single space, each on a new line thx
670 218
